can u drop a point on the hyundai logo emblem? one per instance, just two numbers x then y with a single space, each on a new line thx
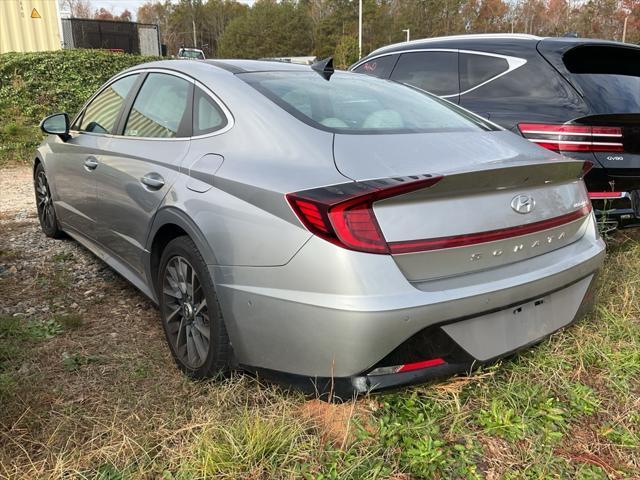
523 203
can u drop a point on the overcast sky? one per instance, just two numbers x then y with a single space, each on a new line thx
117 6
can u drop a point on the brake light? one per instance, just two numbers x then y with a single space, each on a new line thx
573 138
343 214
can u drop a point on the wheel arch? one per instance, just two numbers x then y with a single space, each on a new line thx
36 161
170 223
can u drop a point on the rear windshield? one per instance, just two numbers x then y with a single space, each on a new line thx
609 76
191 54
354 103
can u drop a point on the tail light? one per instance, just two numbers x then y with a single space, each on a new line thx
343 214
573 138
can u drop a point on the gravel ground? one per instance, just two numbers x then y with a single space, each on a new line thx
26 251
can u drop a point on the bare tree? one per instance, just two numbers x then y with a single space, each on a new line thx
78 8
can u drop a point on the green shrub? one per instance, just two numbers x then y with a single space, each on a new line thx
34 85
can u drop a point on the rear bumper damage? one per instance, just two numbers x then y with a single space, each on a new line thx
453 344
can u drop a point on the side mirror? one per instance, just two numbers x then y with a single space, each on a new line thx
57 124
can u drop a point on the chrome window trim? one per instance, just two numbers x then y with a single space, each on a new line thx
221 105
513 63
464 36
88 102
227 113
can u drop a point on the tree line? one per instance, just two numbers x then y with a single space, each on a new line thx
270 28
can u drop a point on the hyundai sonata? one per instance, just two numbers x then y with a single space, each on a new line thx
334 230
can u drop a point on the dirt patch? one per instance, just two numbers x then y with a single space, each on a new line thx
16 193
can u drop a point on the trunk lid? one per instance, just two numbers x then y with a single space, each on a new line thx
476 217
362 157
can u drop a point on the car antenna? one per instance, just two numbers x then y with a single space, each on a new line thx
324 67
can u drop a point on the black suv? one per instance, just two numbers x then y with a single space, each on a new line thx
575 96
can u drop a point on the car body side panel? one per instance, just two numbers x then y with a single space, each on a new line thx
239 232
75 185
127 205
244 215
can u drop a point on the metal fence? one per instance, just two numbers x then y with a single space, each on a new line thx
129 37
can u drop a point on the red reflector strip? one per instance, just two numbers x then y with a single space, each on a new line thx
408 367
411 246
568 146
605 194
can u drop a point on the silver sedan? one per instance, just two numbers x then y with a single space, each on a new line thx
329 229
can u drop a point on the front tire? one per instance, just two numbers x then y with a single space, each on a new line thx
190 312
44 203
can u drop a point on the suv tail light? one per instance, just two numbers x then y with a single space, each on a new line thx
343 214
573 138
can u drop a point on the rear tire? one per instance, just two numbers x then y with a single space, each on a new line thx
190 312
44 203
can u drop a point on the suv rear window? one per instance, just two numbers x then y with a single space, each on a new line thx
608 75
350 103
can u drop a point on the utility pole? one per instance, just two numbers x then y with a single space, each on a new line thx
193 23
624 29
408 32
360 30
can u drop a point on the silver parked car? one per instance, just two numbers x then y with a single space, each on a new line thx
331 229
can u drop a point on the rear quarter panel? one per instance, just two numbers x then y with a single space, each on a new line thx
240 204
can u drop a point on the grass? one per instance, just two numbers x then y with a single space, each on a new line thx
95 395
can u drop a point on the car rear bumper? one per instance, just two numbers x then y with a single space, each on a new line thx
457 359
617 209
333 313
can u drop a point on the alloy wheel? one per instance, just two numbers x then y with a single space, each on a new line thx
45 202
186 313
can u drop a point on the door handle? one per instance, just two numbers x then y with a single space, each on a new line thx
90 163
153 181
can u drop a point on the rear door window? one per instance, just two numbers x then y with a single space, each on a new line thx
380 67
162 108
435 72
478 69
